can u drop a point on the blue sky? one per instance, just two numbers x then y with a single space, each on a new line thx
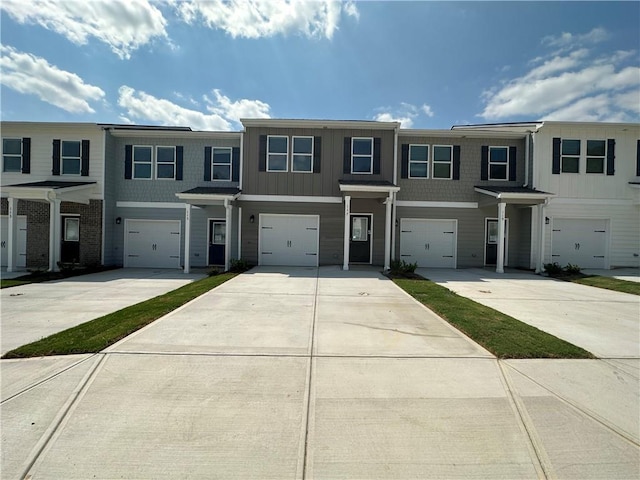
206 64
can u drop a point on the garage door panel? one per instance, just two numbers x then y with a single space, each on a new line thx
428 242
580 242
152 243
289 240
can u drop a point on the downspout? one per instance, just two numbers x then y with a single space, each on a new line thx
241 160
526 159
393 205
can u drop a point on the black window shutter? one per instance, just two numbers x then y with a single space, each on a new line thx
84 155
556 156
128 161
207 164
611 156
376 155
513 164
262 154
346 160
56 158
179 161
317 154
456 162
235 164
26 155
404 161
484 163
638 159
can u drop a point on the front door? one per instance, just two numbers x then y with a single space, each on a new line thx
360 244
70 242
217 241
491 241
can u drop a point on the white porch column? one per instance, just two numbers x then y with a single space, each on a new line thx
501 237
12 228
542 209
55 233
187 237
387 232
347 216
239 233
227 233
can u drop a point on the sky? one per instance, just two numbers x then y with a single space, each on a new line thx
207 64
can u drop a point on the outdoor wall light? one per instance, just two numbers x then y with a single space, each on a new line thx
118 220
252 218
546 220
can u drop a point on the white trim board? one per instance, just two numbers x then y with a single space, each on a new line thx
427 204
289 198
589 201
149 205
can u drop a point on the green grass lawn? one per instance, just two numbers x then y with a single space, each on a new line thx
13 282
98 334
609 283
501 334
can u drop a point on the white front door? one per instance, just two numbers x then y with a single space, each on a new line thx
21 241
428 242
580 241
288 240
152 243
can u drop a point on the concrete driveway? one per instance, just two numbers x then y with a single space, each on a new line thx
31 312
314 373
604 322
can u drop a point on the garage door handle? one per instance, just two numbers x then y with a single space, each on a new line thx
131 231
598 256
4 244
577 246
175 233
133 255
447 256
426 246
174 256
312 228
600 231
405 255
267 228
406 231
314 254
267 253
448 232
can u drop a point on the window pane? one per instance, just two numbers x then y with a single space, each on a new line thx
418 169
219 233
302 163
442 153
361 164
142 154
419 152
277 163
570 164
498 172
71 229
70 149
362 146
360 229
221 172
595 165
71 166
165 170
441 170
498 155
12 145
595 148
277 145
142 170
221 155
165 154
12 163
302 145
570 147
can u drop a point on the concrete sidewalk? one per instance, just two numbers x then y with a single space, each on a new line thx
315 373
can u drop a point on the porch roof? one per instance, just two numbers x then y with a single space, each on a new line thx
208 195
520 195
375 187
77 192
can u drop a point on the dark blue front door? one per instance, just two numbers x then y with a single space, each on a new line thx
217 240
360 244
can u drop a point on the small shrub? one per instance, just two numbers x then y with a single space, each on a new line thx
400 267
552 268
239 265
573 269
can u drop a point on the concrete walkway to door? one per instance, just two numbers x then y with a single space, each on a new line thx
297 373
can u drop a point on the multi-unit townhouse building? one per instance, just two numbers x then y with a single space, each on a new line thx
318 192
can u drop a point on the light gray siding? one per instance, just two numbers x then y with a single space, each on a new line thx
110 199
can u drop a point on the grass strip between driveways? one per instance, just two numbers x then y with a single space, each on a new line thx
624 286
501 334
98 334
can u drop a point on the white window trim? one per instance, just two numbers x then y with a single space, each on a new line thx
587 156
293 153
434 161
370 172
286 154
419 161
156 163
230 149
580 156
133 162
12 155
506 178
62 157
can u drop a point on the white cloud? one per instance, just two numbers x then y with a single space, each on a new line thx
123 25
406 121
224 114
566 39
33 75
406 114
427 110
266 18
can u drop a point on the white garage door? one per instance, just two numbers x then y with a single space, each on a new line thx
21 241
290 240
579 241
152 243
428 242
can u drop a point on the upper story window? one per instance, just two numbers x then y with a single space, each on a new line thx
596 154
362 155
166 163
498 163
302 154
221 163
570 158
277 153
418 161
11 154
142 162
442 161
70 158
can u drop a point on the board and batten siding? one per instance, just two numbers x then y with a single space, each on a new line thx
324 183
